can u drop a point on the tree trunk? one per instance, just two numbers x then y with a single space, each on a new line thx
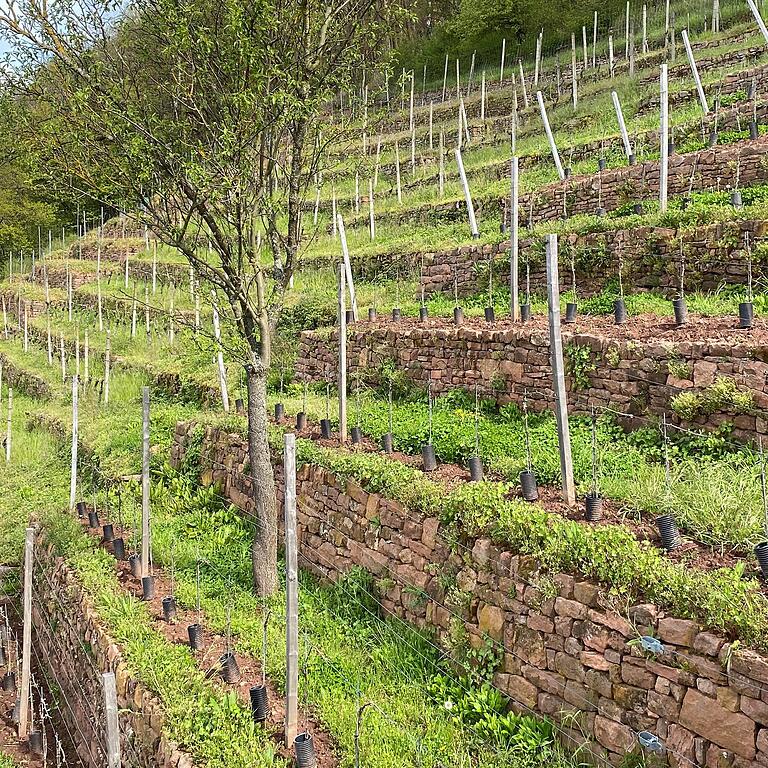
264 549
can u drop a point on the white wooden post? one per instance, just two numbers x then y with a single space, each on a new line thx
584 45
113 726
154 267
86 354
663 138
594 43
537 62
695 71
342 355
514 237
431 124
26 326
62 352
347 267
371 214
550 137
503 56
445 77
291 593
626 33
440 169
622 125
522 83
26 643
220 355
75 438
645 29
558 373
145 509
397 173
99 304
107 366
758 18
8 431
482 98
610 55
574 85
467 196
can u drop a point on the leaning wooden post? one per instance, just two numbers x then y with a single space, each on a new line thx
758 18
558 373
291 593
663 139
503 56
145 482
347 267
695 71
467 196
9 427
514 245
220 355
550 137
113 726
75 438
622 127
26 644
522 83
342 355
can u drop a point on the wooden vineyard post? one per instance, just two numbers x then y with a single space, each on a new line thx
107 367
342 355
371 213
522 83
514 244
8 431
574 84
758 18
558 373
550 137
86 355
695 71
113 726
663 139
467 196
220 355
26 644
145 482
594 43
291 594
75 437
622 127
503 56
347 267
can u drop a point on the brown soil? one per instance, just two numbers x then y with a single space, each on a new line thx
642 525
214 646
646 328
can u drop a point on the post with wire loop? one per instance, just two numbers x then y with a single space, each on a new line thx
113 727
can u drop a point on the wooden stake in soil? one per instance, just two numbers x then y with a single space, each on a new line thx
291 593
371 215
347 267
514 240
112 724
663 139
75 438
503 56
220 355
107 366
86 353
342 355
758 18
622 126
522 83
550 137
440 177
397 173
26 645
467 196
695 72
558 372
574 85
145 509
594 43
8 430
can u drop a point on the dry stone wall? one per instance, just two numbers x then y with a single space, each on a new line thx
506 361
649 256
74 645
567 651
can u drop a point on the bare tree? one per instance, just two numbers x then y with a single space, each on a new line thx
210 119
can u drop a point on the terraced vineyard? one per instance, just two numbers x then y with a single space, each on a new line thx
495 425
